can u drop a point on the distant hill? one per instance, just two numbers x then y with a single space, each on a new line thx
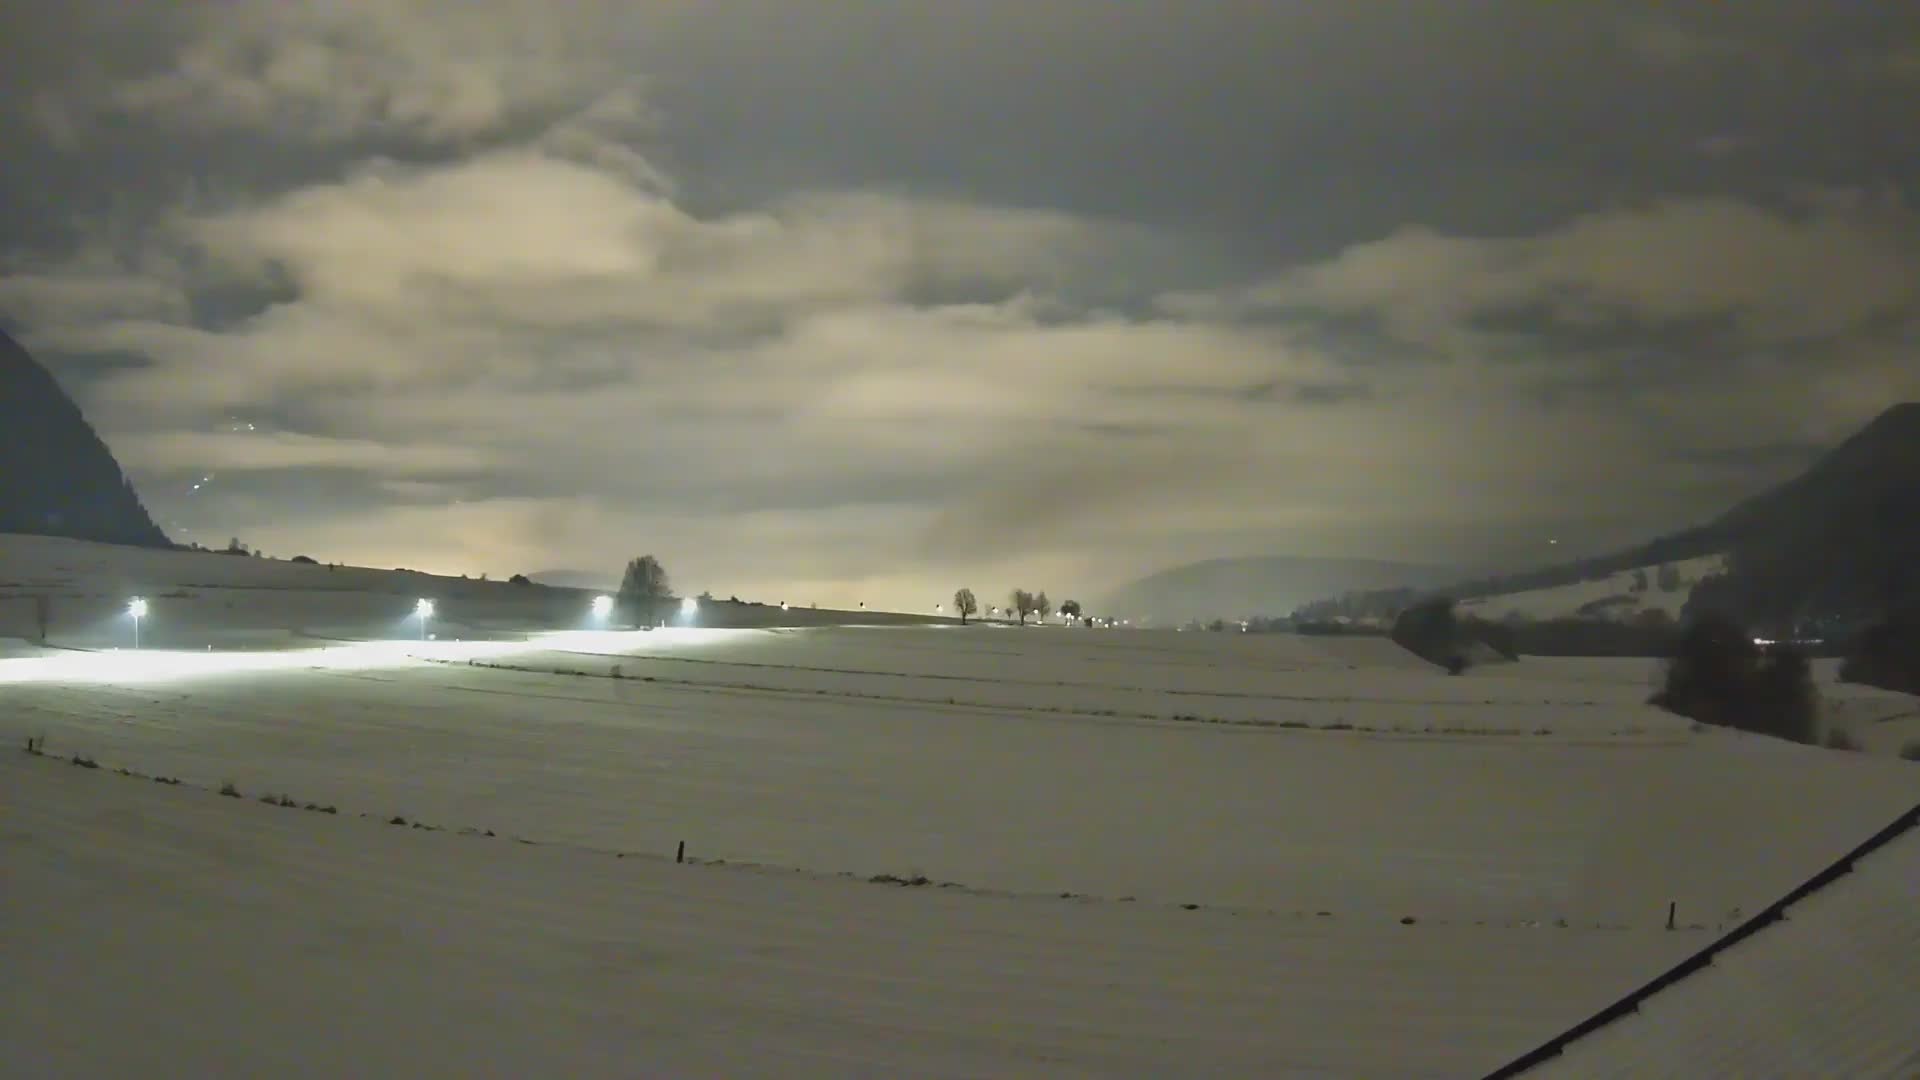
1838 544
576 579
56 477
1248 587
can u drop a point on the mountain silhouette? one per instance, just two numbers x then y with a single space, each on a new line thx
1838 543
56 477
1258 586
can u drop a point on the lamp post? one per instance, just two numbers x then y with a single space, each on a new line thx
137 608
424 609
602 607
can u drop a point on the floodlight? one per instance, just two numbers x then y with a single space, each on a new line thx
424 609
602 606
690 605
137 607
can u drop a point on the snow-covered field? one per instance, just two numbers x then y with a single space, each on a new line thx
1148 853
1831 989
1613 597
201 599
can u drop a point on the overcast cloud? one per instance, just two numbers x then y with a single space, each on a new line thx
862 302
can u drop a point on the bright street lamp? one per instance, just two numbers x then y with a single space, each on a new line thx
689 607
424 609
602 606
137 608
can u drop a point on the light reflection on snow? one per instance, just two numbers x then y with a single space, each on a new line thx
119 667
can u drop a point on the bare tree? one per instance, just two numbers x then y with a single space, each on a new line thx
1021 601
643 587
1042 606
1668 578
1070 608
965 604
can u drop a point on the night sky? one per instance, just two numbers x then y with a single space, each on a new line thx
864 301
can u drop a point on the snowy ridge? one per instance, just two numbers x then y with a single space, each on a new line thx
1612 597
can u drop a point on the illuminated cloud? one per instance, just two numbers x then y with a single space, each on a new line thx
854 304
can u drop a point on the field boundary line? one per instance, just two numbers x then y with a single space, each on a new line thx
1766 917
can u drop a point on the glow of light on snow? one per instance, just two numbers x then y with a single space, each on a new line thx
122 667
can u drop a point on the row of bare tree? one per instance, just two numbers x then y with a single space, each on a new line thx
1020 602
644 588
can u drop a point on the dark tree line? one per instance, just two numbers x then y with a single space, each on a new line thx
1719 675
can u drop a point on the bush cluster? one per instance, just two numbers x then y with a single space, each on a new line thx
1718 675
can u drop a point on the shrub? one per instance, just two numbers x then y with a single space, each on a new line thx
916 881
305 560
1911 751
1784 702
519 579
1887 656
1717 675
1841 739
229 790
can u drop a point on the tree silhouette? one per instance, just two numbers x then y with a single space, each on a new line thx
965 604
1021 601
643 586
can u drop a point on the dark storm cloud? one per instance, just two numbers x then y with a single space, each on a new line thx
929 291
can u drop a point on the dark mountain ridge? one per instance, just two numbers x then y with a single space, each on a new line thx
57 478
1840 543
1257 587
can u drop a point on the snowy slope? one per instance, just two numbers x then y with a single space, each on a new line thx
1612 597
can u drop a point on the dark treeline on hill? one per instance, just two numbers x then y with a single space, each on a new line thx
1830 552
1652 636
56 477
